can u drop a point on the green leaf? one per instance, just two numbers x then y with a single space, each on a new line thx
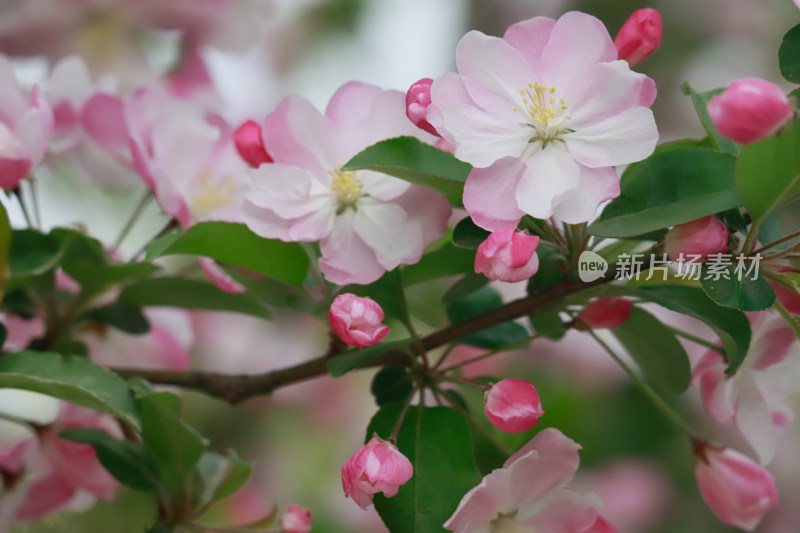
188 293
700 101
479 302
125 317
31 254
789 55
670 188
548 325
353 358
768 172
123 459
236 245
656 350
5 247
173 445
437 441
464 287
747 294
412 160
468 235
392 384
70 378
220 476
447 261
731 325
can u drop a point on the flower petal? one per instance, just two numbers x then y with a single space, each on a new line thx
490 195
595 187
345 257
623 138
549 173
482 138
386 229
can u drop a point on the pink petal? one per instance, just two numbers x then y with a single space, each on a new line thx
548 174
530 37
596 185
490 195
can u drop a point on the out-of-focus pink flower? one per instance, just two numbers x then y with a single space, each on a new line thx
753 398
418 98
78 463
296 519
543 115
606 312
736 488
366 222
25 128
377 467
166 346
701 237
507 255
529 493
512 405
20 332
357 320
789 298
639 36
250 145
750 109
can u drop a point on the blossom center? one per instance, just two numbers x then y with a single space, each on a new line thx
212 194
544 112
347 187
505 523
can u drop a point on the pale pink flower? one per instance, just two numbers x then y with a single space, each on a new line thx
737 489
750 109
296 519
366 222
789 298
606 312
418 98
25 128
357 320
702 237
639 36
753 398
377 467
529 494
512 405
507 255
543 115
20 331
250 145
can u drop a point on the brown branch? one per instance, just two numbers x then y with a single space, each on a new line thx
235 388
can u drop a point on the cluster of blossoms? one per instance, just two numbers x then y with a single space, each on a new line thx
544 115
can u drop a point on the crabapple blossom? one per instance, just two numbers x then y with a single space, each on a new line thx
507 255
702 237
357 320
752 399
418 98
250 145
543 115
296 519
529 493
366 222
639 36
25 128
749 110
377 467
606 312
737 489
512 405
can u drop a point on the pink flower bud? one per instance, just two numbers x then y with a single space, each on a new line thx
377 467
357 320
639 36
737 489
700 237
296 519
512 405
418 98
250 145
507 255
750 109
606 312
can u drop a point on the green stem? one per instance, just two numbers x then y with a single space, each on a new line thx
782 240
137 212
646 388
749 241
461 381
23 207
791 320
400 418
313 261
35 201
697 340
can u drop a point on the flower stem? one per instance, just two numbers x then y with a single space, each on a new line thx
137 212
697 340
400 419
782 240
18 193
646 388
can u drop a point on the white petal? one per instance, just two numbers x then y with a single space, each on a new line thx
624 138
482 138
580 204
549 173
386 229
